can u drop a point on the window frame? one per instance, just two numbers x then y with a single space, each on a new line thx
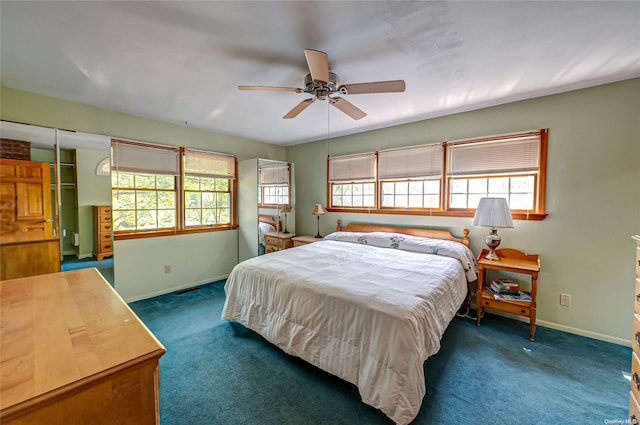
277 186
181 226
538 212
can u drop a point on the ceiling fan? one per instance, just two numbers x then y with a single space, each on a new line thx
323 84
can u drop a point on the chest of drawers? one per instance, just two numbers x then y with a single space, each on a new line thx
277 241
102 232
634 395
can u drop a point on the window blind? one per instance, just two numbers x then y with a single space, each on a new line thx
274 174
142 158
410 162
352 167
509 155
209 164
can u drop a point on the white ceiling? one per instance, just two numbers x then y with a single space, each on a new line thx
181 61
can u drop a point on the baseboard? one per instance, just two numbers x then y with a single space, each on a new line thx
563 328
81 256
174 289
568 329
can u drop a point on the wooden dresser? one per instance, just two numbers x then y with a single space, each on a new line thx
634 396
72 352
102 232
277 241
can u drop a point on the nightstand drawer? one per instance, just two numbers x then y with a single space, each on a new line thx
506 306
635 339
271 240
634 409
635 375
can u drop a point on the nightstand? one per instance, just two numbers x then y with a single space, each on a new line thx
304 240
511 260
277 241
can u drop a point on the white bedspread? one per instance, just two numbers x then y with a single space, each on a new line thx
367 314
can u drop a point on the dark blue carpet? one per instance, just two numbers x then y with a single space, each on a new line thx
216 372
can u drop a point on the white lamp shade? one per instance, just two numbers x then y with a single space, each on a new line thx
493 212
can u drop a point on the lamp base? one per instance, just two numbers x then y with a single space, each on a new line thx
318 235
492 256
493 241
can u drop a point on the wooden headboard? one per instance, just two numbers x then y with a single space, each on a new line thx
414 231
269 220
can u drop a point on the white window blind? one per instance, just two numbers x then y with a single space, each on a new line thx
209 164
275 174
411 162
520 154
140 158
352 168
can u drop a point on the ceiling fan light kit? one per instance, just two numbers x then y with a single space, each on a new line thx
323 84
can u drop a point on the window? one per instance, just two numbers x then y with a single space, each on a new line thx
274 185
446 178
208 180
506 167
352 181
157 190
410 178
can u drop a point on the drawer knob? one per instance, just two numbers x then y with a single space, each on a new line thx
107 236
637 335
107 246
636 380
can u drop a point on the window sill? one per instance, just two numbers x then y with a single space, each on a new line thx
435 213
157 234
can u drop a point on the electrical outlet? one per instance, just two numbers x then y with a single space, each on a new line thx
565 300
167 268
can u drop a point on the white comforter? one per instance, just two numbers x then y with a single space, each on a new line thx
367 314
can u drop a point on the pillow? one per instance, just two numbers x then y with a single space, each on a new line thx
404 242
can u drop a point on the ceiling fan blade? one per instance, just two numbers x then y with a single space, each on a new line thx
374 87
318 65
299 108
270 88
347 107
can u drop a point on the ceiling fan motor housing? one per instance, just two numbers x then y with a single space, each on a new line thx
320 89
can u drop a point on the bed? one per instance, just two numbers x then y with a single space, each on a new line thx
266 224
368 304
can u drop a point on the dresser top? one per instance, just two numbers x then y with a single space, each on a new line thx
65 330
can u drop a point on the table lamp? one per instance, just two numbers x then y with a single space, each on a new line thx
318 211
285 209
493 213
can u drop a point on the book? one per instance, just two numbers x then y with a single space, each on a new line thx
520 296
505 288
507 283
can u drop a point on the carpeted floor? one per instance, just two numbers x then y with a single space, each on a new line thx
216 372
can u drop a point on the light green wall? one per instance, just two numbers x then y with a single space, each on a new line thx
584 243
139 264
592 197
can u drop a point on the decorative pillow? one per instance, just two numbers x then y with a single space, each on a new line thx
416 244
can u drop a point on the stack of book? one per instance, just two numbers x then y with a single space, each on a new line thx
507 289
